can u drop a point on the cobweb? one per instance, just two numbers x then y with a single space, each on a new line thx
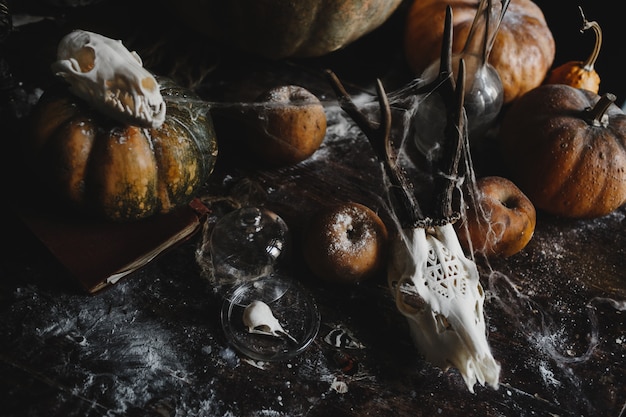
416 122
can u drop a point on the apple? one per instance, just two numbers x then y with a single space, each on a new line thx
283 126
502 220
345 243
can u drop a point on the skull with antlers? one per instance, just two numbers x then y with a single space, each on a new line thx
435 286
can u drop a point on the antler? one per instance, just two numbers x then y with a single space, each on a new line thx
455 137
379 138
408 211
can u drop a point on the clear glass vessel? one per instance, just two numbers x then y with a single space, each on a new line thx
484 94
246 244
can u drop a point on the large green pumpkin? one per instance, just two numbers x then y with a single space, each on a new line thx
285 28
120 172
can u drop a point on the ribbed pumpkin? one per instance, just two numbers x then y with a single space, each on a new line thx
566 149
285 28
523 51
116 171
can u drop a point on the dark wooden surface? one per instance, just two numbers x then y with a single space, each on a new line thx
152 345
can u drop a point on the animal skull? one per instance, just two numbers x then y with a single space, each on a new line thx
258 318
437 289
110 77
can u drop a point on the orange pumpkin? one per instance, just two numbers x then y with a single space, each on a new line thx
580 74
566 150
523 51
285 28
120 172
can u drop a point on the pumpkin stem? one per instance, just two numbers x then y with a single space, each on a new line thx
589 63
596 115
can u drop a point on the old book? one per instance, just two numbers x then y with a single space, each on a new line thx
99 254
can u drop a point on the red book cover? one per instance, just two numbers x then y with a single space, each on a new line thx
98 254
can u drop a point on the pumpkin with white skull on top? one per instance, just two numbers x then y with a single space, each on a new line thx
115 170
116 141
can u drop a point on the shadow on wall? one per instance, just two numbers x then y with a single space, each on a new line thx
565 21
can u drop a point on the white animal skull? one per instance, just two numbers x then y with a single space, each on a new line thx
436 287
110 77
258 318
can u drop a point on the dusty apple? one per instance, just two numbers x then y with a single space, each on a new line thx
502 220
345 243
283 126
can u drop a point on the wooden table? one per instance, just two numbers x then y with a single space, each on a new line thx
152 344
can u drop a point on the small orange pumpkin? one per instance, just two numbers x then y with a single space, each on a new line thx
523 51
580 74
565 148
120 172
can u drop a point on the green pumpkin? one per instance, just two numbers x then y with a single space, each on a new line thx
121 172
285 28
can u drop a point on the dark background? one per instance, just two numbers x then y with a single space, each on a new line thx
563 18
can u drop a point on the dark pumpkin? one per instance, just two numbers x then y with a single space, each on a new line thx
566 149
121 172
285 28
